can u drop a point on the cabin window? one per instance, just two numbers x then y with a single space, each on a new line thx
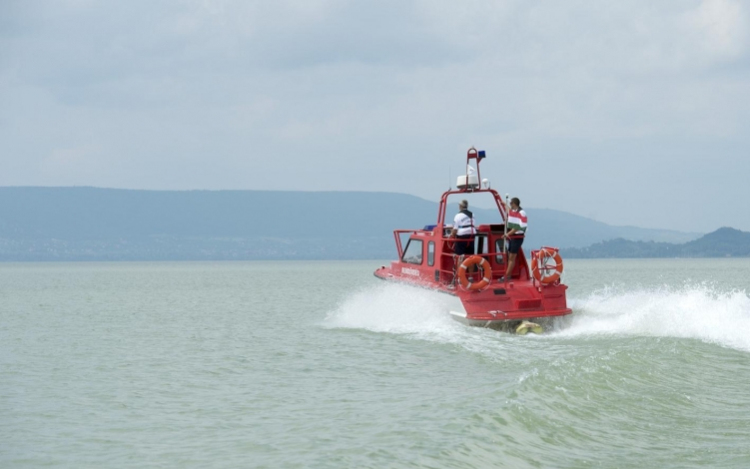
413 252
431 253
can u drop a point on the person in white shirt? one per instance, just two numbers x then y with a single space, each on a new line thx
464 230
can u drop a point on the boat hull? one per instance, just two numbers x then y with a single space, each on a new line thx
500 305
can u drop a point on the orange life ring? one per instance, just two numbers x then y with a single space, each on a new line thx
486 273
540 268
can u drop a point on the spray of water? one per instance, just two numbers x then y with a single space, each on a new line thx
394 308
700 312
414 313
691 311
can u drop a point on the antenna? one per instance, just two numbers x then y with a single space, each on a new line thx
505 226
450 186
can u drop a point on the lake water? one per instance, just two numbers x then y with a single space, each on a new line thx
319 364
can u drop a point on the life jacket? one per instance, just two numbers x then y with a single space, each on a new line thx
464 223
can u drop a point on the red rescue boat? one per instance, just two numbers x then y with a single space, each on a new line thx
522 302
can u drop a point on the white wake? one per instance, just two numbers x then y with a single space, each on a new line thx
397 309
692 311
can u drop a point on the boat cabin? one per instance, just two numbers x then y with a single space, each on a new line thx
431 252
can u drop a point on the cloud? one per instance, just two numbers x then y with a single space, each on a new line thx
204 94
720 28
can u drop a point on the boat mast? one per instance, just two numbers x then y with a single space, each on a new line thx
478 156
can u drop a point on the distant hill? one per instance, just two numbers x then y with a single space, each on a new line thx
562 229
83 223
724 242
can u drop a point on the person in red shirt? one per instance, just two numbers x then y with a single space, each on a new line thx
517 223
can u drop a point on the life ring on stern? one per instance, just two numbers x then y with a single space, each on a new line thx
541 269
463 279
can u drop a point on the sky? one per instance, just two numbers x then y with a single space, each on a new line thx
631 113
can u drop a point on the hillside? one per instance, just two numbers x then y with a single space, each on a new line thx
84 223
562 229
724 242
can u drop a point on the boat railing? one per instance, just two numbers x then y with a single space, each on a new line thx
503 253
448 276
500 258
497 259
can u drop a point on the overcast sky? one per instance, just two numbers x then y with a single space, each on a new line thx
634 112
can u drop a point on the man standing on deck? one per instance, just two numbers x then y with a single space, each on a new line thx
516 231
463 229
